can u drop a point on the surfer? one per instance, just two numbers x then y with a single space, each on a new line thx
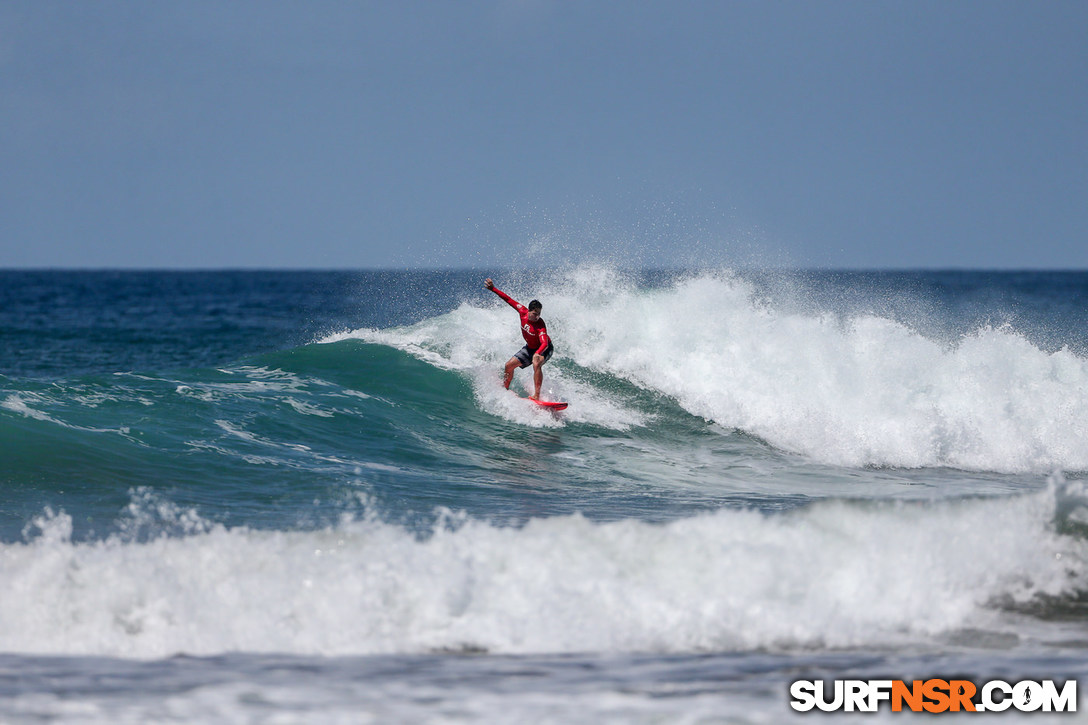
538 346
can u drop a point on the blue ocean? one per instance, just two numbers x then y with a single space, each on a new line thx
306 496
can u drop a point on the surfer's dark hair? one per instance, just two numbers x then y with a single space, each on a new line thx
535 305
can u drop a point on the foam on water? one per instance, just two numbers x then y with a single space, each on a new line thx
835 574
22 404
853 391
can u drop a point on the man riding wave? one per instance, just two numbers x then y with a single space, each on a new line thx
538 346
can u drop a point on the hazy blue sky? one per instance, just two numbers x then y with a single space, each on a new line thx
427 134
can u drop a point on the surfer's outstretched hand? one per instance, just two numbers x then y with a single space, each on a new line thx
489 283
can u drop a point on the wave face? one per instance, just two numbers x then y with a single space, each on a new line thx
832 575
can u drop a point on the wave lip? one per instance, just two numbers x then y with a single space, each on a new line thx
835 574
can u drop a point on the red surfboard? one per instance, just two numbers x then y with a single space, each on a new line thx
549 404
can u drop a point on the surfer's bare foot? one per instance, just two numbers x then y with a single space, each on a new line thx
534 396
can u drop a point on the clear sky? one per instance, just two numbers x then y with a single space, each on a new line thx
325 134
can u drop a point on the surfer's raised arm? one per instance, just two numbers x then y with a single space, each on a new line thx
490 284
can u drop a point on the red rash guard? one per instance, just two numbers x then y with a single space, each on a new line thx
535 333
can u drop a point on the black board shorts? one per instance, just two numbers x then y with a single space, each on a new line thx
525 355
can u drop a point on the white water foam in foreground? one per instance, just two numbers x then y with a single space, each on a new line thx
835 574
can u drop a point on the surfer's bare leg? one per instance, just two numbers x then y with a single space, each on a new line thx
538 375
511 365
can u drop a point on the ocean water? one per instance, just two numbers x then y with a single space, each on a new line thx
305 496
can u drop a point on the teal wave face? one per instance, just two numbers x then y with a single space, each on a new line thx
256 443
290 438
